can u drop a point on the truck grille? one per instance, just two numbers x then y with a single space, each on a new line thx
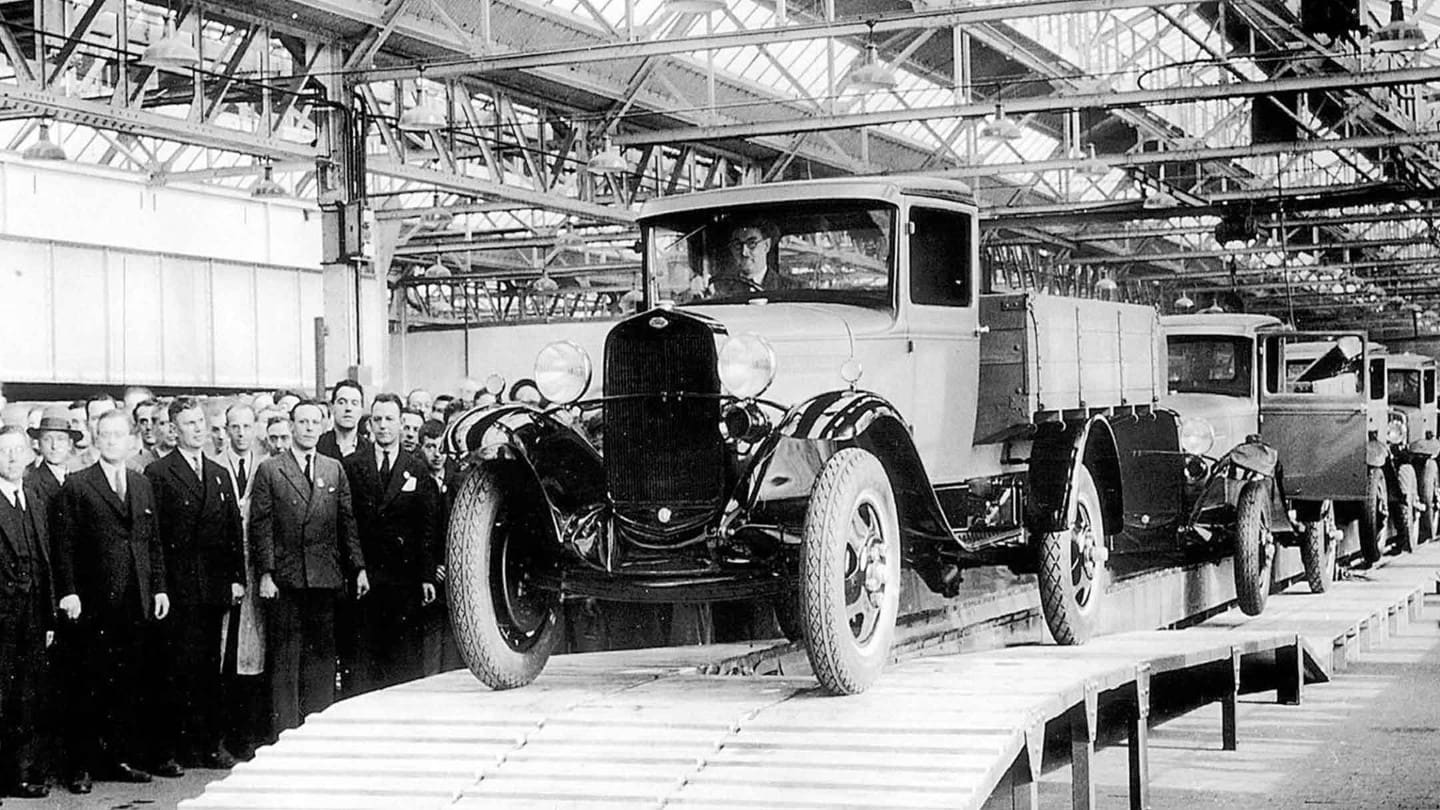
663 450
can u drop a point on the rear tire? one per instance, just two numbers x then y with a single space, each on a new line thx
504 631
850 572
1073 574
1407 512
1373 517
1254 547
1317 550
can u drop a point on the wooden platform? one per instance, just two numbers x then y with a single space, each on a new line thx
645 729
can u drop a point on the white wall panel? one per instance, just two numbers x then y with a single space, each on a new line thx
25 311
234 317
143 331
82 315
185 306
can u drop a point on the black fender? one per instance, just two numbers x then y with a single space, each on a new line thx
566 467
1254 455
1054 451
1376 453
787 462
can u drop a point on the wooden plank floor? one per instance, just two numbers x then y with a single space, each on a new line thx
644 729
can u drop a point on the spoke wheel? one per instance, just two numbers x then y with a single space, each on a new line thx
504 628
1373 517
1073 573
1254 547
850 572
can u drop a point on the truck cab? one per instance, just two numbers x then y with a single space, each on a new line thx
1410 435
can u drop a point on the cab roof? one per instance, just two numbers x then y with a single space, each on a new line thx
1409 361
1219 323
884 188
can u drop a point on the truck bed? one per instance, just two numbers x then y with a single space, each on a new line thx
1044 355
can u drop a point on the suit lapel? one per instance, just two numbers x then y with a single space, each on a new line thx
181 471
398 463
324 480
42 539
290 468
10 523
98 482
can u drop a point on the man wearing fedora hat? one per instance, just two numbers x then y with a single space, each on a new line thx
55 437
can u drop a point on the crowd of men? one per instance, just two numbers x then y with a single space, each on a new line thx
182 579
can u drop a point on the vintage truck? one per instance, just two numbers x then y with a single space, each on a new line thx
1291 414
1410 434
820 389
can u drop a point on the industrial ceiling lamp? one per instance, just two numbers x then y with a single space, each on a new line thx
1001 127
1090 165
694 6
1184 302
1399 34
428 115
171 51
1106 287
43 148
608 160
266 187
1161 199
873 75
567 239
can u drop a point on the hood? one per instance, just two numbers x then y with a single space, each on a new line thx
1233 418
811 342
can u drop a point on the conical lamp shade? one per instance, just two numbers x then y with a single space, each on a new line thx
171 52
43 148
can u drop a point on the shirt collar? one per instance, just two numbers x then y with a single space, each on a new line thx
300 455
393 450
10 489
57 470
110 469
192 457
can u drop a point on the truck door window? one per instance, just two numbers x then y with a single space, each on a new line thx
1429 385
1377 378
1330 367
939 257
1404 387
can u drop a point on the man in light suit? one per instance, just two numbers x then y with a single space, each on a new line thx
204 558
110 571
397 507
303 530
27 617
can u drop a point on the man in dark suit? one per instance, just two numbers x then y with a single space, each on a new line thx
347 402
205 563
27 617
440 654
398 510
110 570
302 530
56 439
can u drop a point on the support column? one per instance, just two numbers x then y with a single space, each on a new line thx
1083 722
1290 663
1229 708
1140 740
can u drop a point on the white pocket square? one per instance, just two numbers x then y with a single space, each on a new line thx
408 486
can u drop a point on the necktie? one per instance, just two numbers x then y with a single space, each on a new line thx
240 477
120 484
385 468
308 479
17 502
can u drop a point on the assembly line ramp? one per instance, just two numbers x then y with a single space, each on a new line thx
645 729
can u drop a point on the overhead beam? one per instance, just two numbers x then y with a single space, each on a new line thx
859 27
475 186
1250 250
144 122
1042 104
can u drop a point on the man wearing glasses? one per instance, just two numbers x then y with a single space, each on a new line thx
749 261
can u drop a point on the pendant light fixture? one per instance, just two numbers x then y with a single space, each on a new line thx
172 51
266 187
43 148
428 114
1399 34
873 75
608 160
1002 127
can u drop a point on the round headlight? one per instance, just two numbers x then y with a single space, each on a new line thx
1196 436
747 365
1395 433
562 372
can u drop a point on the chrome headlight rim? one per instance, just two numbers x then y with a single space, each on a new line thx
746 364
563 372
1197 435
1395 430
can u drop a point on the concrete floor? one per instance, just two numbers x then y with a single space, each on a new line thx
1367 740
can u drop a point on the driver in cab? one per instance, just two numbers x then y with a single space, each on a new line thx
748 261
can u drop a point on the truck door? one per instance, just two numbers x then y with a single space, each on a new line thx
942 315
1314 406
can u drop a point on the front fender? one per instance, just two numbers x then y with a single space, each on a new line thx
1055 450
567 467
1255 456
1376 453
788 461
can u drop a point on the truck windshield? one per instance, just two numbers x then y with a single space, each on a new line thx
1205 364
824 251
1404 387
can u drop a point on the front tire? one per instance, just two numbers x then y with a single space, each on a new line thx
850 572
1317 550
1073 575
1407 512
1254 547
1372 516
505 630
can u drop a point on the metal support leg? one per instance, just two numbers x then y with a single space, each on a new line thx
1229 705
1290 661
1016 791
1082 751
1392 621
1140 741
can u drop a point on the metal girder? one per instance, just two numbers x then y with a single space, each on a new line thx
1241 272
882 23
1254 250
155 125
370 44
489 189
1039 104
